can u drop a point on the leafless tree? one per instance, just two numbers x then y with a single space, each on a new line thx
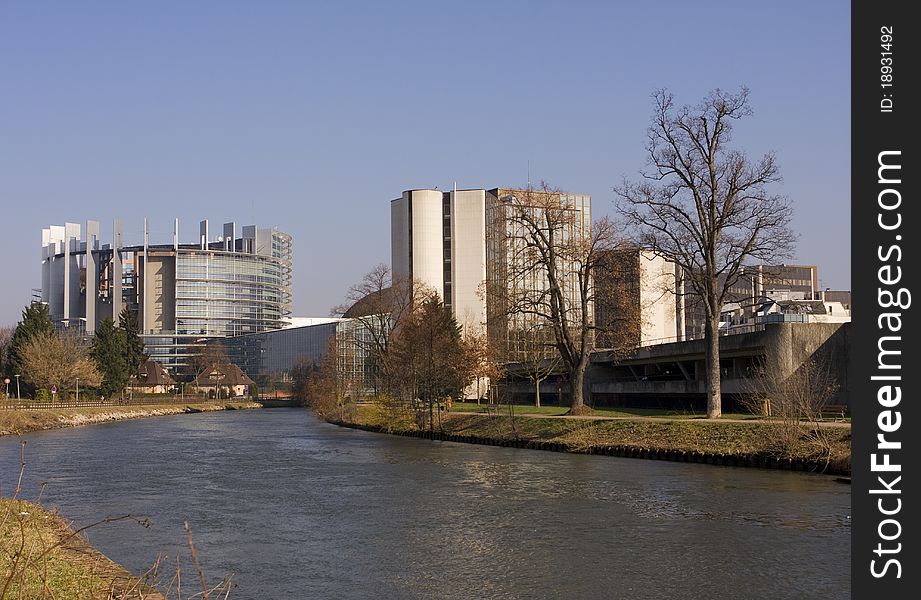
301 372
377 303
794 400
553 249
706 207
486 363
61 359
324 388
537 364
212 354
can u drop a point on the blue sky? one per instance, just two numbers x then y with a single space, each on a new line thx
311 117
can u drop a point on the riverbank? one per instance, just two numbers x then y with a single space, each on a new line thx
42 557
755 443
17 422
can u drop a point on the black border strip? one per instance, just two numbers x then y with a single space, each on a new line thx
884 261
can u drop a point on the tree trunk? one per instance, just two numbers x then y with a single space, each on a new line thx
712 367
537 393
577 403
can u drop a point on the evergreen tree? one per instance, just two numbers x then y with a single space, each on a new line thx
135 356
35 320
109 353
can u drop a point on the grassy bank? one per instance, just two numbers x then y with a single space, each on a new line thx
555 411
22 421
750 442
41 557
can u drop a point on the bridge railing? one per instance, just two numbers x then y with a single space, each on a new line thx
733 330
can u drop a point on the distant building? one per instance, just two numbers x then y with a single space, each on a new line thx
802 311
636 302
755 284
183 294
438 239
454 242
844 297
518 336
269 356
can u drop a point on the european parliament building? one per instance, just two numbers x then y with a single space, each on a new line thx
184 294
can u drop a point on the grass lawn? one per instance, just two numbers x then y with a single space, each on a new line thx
645 429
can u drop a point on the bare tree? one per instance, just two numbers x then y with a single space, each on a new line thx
377 303
537 364
324 389
301 372
794 400
50 358
553 249
706 207
486 363
212 354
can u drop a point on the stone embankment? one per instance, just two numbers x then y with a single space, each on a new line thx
17 422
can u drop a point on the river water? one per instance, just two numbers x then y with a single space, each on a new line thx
297 508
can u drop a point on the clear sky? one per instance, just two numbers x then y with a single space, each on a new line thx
312 116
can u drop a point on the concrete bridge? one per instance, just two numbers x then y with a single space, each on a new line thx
672 375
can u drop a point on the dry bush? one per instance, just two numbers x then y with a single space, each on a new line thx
794 404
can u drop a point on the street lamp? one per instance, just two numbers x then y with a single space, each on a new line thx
17 387
78 389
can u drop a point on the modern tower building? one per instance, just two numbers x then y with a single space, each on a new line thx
455 241
511 272
183 294
438 239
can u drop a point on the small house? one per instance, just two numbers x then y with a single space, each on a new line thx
226 380
152 378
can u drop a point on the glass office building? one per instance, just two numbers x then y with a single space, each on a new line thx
269 356
184 295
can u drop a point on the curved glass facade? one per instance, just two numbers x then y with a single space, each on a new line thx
183 295
231 293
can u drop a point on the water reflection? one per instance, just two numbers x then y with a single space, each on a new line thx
297 508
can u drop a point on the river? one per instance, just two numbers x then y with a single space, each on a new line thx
296 508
